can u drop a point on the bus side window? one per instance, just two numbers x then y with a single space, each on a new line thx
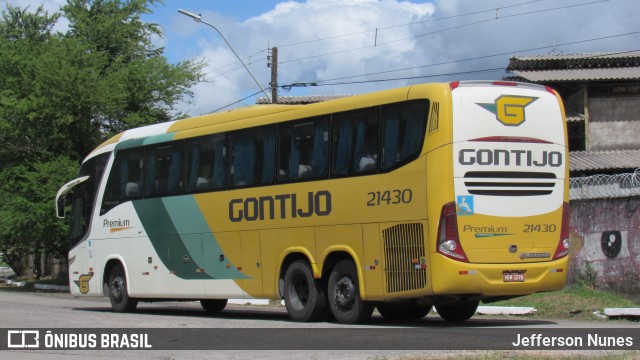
253 156
206 164
304 150
125 180
403 132
355 143
164 170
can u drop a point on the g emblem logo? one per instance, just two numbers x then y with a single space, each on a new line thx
83 283
509 109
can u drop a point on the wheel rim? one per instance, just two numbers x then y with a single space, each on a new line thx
117 286
299 293
345 292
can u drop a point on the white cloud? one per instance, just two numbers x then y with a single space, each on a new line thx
441 32
293 22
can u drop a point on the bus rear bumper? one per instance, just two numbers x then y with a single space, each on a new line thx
496 280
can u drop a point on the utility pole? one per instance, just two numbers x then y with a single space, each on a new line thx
274 75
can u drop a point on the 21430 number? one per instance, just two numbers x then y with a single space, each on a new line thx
390 197
539 228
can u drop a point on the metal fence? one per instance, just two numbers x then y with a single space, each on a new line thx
605 186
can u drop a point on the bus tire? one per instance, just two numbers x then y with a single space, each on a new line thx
118 293
461 311
303 295
213 306
344 295
403 311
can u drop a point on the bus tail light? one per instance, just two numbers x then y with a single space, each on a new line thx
563 245
448 238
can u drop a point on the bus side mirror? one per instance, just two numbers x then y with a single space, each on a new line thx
60 207
60 196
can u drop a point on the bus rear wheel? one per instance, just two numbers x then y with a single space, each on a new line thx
304 297
118 293
458 311
344 295
403 311
213 306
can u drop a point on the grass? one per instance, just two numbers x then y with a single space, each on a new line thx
571 303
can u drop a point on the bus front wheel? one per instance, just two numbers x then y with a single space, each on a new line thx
344 295
458 311
304 297
118 294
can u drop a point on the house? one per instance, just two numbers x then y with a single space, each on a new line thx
601 94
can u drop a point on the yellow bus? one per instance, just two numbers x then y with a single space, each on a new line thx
438 195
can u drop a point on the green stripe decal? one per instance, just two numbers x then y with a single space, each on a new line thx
182 239
143 141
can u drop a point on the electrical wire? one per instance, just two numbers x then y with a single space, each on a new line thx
323 83
441 30
490 56
235 102
406 24
382 28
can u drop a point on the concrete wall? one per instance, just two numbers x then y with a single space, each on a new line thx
614 123
602 109
614 135
605 234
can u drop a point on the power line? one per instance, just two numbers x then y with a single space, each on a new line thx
323 83
329 81
443 30
366 81
237 68
235 102
377 29
489 56
407 24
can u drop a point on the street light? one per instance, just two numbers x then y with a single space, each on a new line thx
198 18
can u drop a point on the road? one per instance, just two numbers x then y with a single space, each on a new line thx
20 310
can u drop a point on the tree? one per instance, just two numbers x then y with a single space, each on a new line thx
61 94
27 224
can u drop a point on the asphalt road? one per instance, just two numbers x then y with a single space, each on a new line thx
33 310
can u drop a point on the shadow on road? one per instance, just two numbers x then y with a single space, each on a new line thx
236 312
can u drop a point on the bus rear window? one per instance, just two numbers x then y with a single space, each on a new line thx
403 129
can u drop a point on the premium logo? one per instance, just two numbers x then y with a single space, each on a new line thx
509 109
116 225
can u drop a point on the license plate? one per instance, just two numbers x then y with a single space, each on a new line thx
511 276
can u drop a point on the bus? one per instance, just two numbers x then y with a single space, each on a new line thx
437 195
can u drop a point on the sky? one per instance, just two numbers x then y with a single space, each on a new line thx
331 47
